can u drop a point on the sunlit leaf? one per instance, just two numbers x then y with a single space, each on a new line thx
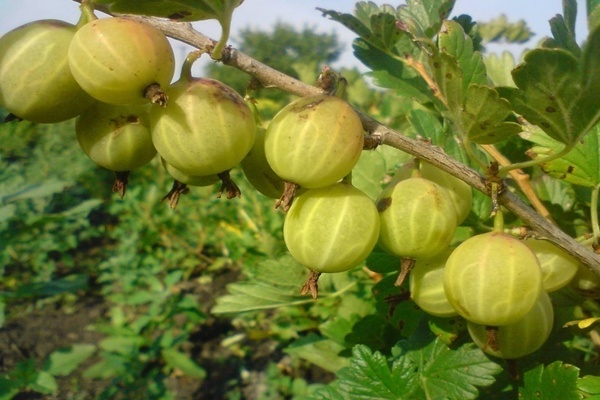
483 116
182 362
453 40
424 18
62 362
418 366
498 67
557 380
318 351
581 166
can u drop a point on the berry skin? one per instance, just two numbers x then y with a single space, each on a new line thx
331 229
36 83
314 141
206 129
521 338
418 219
116 60
492 279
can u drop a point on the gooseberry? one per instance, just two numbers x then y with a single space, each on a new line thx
492 279
207 127
36 83
122 61
418 219
331 229
520 338
314 141
427 286
558 267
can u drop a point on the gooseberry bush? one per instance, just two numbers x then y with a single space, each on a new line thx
435 239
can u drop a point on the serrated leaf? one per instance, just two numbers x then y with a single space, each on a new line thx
449 373
483 116
557 92
556 381
421 365
276 283
498 67
355 24
64 361
371 376
548 83
182 362
424 18
388 72
562 36
453 40
581 166
448 77
395 303
318 351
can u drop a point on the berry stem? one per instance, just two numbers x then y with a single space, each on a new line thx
121 182
311 285
406 265
499 221
177 190
186 68
87 13
228 186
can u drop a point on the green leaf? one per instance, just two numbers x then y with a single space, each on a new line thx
498 67
557 92
593 14
449 79
483 116
371 376
396 305
555 381
581 166
448 373
34 191
590 385
318 351
362 23
373 165
453 40
424 18
389 72
276 283
180 10
429 127
500 29
45 383
64 361
563 36
548 84
182 362
67 284
382 262
447 329
422 367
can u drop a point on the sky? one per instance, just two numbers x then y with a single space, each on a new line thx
262 14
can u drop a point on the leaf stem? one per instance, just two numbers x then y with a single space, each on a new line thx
594 213
538 161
